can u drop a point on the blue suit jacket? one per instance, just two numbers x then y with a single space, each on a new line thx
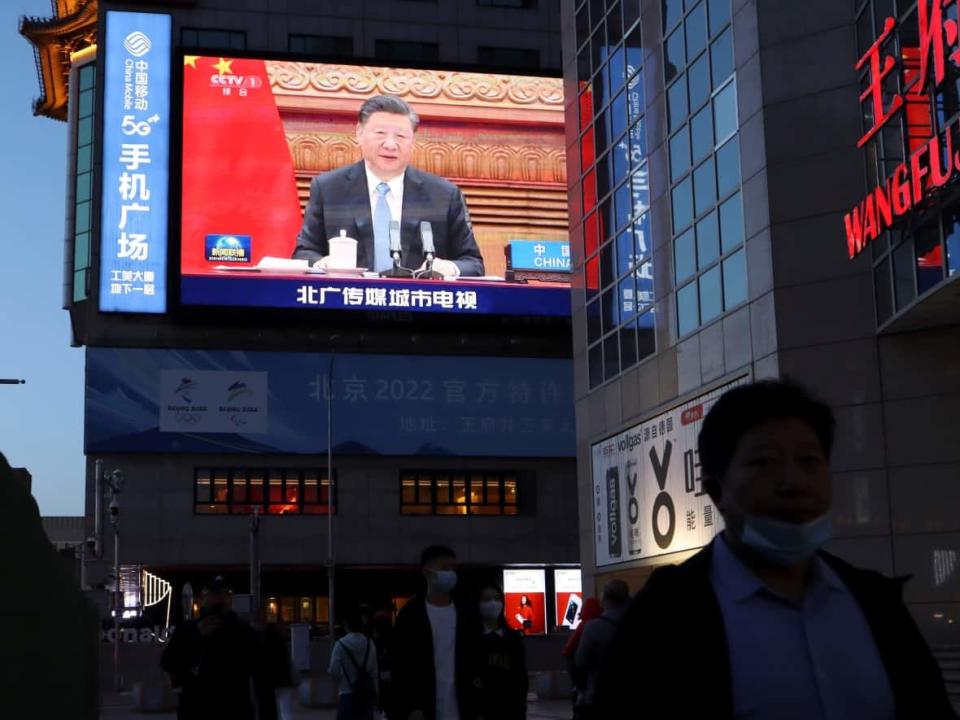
339 200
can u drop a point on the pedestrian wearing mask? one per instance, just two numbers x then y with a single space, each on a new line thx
432 654
500 671
779 629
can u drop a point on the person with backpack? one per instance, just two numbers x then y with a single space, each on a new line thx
597 638
353 663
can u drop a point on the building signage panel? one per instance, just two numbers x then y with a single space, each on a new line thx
524 602
932 158
648 497
213 401
568 597
136 133
262 402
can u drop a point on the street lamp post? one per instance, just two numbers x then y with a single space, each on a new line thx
331 566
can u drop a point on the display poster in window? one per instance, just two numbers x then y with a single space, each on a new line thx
524 603
648 498
568 597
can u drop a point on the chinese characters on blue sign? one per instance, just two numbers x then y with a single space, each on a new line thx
136 130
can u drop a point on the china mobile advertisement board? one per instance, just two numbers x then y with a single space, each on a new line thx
648 497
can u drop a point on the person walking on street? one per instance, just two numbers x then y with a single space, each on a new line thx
595 642
432 646
591 609
382 634
283 675
762 623
214 661
500 680
353 663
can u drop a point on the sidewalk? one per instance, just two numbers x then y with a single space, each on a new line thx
115 708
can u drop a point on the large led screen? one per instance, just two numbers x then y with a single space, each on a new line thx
328 186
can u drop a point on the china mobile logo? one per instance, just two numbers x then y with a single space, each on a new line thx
137 44
932 161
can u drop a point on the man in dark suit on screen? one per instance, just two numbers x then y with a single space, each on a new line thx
362 199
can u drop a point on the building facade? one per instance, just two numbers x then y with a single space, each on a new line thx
185 505
717 150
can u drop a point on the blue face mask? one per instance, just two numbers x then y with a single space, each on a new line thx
783 543
444 580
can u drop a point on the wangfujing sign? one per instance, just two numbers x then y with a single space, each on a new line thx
648 497
933 158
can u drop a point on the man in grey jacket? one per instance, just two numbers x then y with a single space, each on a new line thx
598 636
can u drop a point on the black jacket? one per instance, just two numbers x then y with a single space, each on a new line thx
339 200
672 651
215 672
500 677
414 679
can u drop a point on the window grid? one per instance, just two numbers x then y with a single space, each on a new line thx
467 493
224 39
922 250
704 161
238 491
618 263
83 181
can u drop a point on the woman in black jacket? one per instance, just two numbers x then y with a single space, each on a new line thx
500 669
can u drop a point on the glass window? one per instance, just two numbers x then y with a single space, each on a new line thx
611 357
725 111
255 480
626 252
631 12
705 186
682 205
203 486
903 274
698 80
87 74
646 335
688 312
638 145
708 241
85 131
595 362
677 108
883 289
719 14
728 167
83 187
711 295
696 25
611 315
508 57
608 264
929 254
321 45
701 129
85 103
593 321
735 279
641 235
679 154
672 12
628 346
84 156
82 220
721 56
644 277
628 299
674 55
951 231
731 224
616 67
685 256
623 202
621 157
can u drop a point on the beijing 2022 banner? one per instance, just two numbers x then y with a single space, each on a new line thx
648 499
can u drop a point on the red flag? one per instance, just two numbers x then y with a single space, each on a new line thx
238 176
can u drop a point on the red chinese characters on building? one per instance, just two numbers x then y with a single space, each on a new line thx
931 161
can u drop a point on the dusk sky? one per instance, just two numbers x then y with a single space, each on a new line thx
41 423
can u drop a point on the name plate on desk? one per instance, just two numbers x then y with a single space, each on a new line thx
544 260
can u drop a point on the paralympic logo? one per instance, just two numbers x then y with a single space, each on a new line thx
239 389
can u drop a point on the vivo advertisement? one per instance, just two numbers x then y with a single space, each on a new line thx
260 402
136 131
331 186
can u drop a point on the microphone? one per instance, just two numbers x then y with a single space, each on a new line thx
429 252
395 249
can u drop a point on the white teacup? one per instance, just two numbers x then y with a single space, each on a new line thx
343 252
